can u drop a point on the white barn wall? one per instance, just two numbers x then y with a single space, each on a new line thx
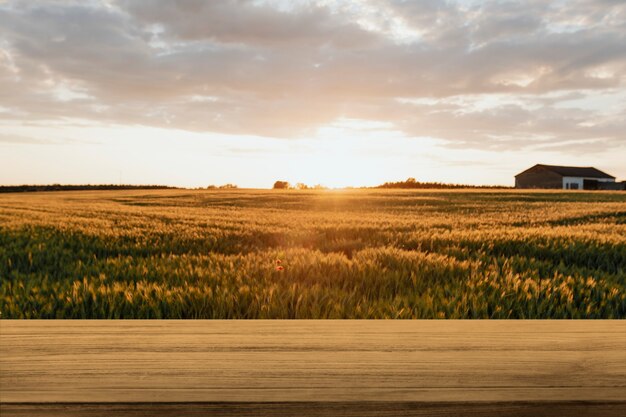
580 181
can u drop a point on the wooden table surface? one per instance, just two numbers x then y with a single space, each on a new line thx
327 367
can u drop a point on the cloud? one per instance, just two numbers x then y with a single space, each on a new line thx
13 139
22 140
249 23
285 69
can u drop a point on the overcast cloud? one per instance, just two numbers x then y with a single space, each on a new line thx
479 75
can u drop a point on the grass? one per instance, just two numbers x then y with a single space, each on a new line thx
344 254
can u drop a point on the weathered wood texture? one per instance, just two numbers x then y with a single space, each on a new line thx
321 409
334 367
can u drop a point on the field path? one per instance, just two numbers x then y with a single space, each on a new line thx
327 367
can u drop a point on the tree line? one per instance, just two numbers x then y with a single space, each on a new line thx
412 183
285 185
84 187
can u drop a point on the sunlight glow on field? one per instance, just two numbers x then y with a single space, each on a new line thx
344 254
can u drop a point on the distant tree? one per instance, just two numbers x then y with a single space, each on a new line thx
211 187
301 186
281 185
228 186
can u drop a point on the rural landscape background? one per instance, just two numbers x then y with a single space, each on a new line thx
313 254
212 101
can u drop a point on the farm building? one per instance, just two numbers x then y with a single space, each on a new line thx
566 178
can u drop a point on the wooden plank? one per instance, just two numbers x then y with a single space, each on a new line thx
397 367
320 409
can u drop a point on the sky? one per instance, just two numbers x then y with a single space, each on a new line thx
333 92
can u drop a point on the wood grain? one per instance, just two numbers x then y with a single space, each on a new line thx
321 409
400 368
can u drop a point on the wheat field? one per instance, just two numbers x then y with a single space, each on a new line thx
313 254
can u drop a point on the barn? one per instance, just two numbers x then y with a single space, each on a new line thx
566 178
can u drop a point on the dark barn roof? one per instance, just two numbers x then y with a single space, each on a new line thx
588 172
